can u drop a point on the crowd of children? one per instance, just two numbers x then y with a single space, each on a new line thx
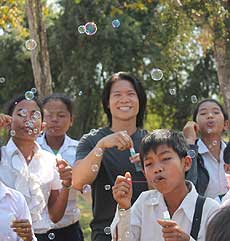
162 185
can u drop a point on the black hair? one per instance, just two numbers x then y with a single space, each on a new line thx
173 139
227 154
195 112
218 228
137 87
63 98
17 99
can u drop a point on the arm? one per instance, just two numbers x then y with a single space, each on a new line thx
82 170
58 198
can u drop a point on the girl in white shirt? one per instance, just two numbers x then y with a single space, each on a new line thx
58 115
32 171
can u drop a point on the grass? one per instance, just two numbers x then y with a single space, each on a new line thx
86 216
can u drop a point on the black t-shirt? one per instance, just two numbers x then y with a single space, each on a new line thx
114 163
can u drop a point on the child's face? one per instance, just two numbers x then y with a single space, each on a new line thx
227 168
164 170
57 117
210 118
26 120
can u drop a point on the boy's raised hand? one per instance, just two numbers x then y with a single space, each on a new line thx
171 231
5 120
122 191
65 172
23 229
190 131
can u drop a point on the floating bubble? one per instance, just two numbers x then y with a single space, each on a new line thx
29 95
23 112
30 132
191 153
35 131
116 23
29 124
209 131
90 28
93 132
127 234
31 44
86 188
37 115
107 187
2 80
34 90
12 132
94 168
214 143
80 93
81 29
98 152
156 74
107 230
172 91
51 236
194 99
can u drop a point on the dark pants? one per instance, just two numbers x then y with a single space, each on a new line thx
69 233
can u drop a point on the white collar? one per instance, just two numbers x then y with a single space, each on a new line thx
202 148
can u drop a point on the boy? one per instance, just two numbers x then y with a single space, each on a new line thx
166 212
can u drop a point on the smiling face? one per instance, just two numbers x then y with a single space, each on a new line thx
57 117
123 101
26 120
210 119
164 170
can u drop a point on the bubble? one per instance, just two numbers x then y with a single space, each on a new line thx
94 168
172 91
93 132
90 28
2 80
30 132
209 131
31 44
156 74
80 93
29 124
194 99
191 153
98 151
86 188
116 23
51 236
127 234
29 95
107 230
35 131
214 143
12 132
34 90
37 115
107 187
81 29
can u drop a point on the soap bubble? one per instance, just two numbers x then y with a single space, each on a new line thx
107 187
23 112
214 142
172 91
2 80
98 151
80 93
116 23
29 95
31 44
90 28
94 168
191 153
107 230
93 132
86 188
156 74
51 236
194 99
34 90
81 29
30 132
12 133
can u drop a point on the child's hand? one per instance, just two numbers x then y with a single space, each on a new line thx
135 158
171 231
23 229
190 131
5 120
65 172
122 190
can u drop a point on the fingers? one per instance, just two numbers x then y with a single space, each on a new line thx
5 120
124 141
22 228
65 171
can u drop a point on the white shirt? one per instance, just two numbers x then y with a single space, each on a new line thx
12 206
68 152
217 180
35 181
140 222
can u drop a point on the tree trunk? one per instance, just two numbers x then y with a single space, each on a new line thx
222 57
40 55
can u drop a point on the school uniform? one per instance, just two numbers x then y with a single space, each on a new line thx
68 228
139 223
35 181
12 206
